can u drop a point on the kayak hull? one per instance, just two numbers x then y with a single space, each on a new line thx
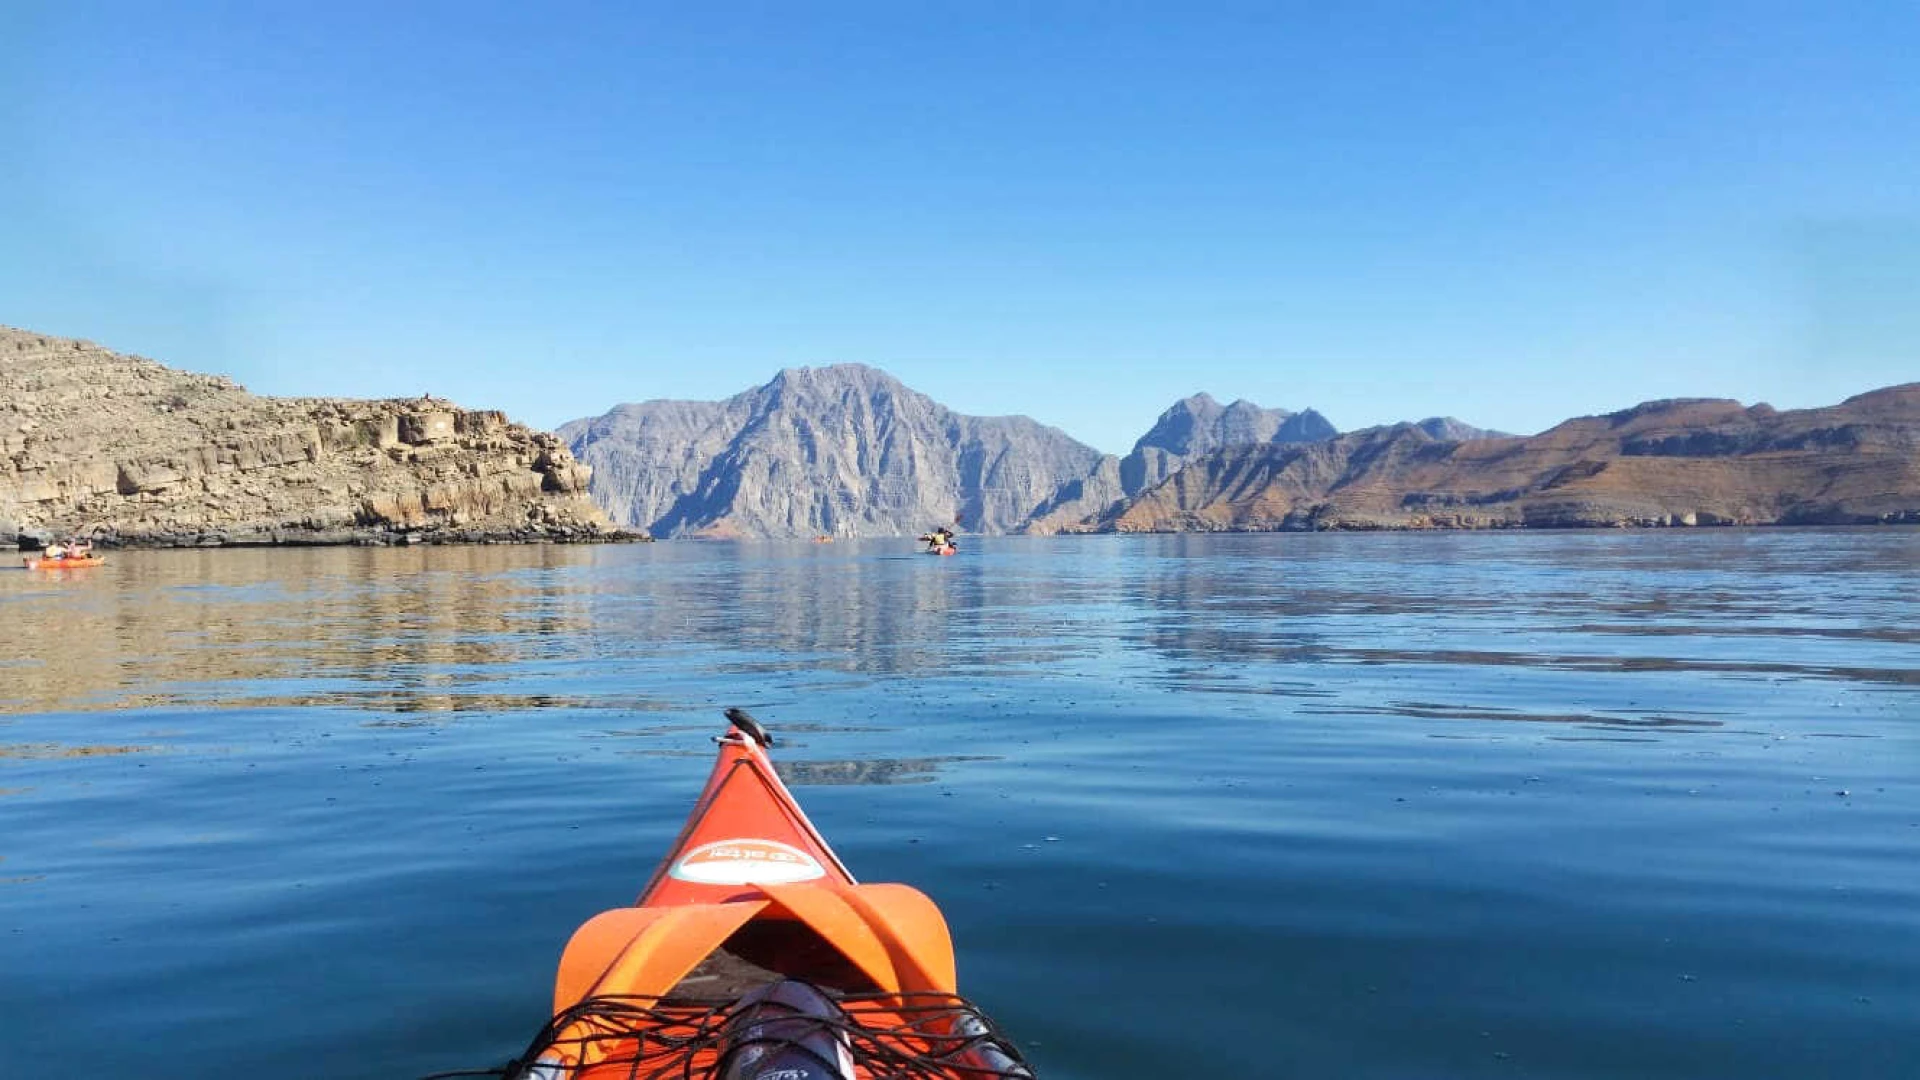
750 898
746 829
64 564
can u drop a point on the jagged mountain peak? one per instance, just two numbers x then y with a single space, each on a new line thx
1191 424
1307 425
1198 424
841 374
1451 429
834 386
1675 462
845 449
1176 427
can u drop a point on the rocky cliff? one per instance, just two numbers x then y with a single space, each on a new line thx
138 453
842 450
1663 463
1196 426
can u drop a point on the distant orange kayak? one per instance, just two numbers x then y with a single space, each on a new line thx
752 952
63 564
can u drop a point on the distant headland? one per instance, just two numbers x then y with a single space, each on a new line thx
849 450
127 451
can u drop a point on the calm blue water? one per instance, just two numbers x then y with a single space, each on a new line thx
1544 805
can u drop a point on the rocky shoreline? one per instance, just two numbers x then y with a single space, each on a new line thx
130 453
370 537
1445 523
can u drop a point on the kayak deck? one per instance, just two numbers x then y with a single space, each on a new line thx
749 902
912 1037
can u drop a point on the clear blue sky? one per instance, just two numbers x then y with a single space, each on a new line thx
1509 212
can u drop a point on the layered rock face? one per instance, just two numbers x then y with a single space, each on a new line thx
845 450
134 452
1689 462
1196 426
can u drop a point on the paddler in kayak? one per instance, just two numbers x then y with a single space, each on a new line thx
940 538
72 549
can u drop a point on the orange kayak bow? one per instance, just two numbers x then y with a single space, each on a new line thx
753 952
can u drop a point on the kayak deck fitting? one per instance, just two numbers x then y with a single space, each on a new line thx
753 953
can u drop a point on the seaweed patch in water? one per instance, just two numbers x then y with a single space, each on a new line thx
874 771
56 752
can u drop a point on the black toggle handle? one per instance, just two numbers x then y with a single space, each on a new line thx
741 719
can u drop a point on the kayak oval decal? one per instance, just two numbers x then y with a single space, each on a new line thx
745 862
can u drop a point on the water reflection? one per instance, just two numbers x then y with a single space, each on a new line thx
446 631
375 628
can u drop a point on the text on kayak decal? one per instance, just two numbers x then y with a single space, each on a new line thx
744 862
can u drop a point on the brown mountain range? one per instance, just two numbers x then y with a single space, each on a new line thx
1680 462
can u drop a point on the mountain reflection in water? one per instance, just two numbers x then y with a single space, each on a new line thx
438 630
433 629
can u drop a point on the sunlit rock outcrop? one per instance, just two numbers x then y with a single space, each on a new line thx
129 450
